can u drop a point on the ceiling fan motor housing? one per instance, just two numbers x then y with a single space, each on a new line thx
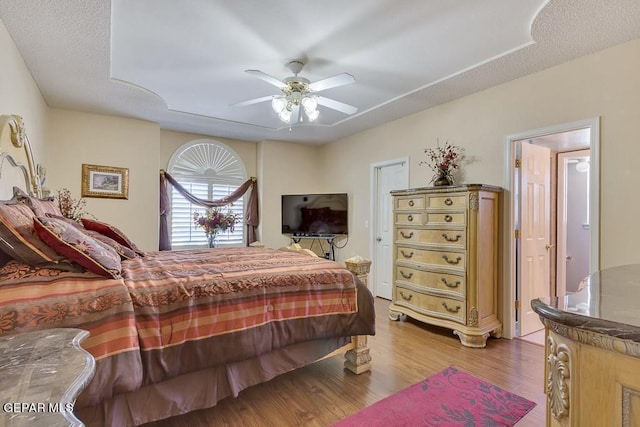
296 85
295 66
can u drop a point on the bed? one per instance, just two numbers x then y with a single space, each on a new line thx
170 331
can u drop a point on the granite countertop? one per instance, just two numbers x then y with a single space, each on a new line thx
41 374
607 302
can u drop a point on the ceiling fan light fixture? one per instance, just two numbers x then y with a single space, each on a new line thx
285 115
278 104
309 103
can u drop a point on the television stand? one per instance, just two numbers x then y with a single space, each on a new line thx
318 237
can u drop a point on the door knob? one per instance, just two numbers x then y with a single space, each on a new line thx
378 239
548 246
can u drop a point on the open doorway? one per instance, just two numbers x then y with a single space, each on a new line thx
385 177
537 251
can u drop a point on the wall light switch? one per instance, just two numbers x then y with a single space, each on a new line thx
366 223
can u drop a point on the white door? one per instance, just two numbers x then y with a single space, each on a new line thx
535 232
392 176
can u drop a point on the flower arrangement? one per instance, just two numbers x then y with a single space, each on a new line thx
213 221
443 161
70 207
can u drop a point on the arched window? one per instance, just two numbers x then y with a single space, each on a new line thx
210 170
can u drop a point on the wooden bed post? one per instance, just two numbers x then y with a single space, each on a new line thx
358 359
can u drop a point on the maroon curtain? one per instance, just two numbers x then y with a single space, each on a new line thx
165 207
251 217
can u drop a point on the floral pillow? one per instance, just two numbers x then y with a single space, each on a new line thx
71 242
18 237
112 232
122 250
40 207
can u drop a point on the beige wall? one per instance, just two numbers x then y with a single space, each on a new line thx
76 138
605 84
20 95
285 168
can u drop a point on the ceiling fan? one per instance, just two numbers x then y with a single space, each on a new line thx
299 92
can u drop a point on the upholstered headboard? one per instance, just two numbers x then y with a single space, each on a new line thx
17 168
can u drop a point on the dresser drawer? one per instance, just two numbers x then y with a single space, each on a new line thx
443 202
445 307
405 296
454 260
432 280
412 218
453 238
410 203
446 218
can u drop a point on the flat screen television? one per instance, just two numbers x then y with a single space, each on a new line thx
315 214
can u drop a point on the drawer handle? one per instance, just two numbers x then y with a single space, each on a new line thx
409 218
451 309
411 203
406 236
448 201
450 284
452 261
406 298
451 239
406 275
406 255
448 218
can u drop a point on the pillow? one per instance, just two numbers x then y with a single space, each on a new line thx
78 247
112 232
66 220
40 207
122 250
18 237
4 258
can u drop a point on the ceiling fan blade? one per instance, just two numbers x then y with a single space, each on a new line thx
267 78
334 81
336 105
252 101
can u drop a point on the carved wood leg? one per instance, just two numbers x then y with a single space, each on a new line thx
497 332
475 341
358 359
394 315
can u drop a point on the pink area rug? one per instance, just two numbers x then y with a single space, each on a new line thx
449 398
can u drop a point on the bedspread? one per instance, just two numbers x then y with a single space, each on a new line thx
33 298
177 312
198 308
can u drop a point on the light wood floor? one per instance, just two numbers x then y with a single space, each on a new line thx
404 352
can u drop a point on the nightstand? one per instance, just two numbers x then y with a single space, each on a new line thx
41 374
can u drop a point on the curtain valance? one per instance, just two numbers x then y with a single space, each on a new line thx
251 216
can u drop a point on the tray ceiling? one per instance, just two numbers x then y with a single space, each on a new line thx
182 64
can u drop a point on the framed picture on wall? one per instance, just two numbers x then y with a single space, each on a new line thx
105 181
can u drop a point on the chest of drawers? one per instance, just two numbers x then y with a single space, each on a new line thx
446 259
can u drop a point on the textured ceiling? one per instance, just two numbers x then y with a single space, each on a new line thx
181 64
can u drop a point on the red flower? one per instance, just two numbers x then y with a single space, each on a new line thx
214 221
443 160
